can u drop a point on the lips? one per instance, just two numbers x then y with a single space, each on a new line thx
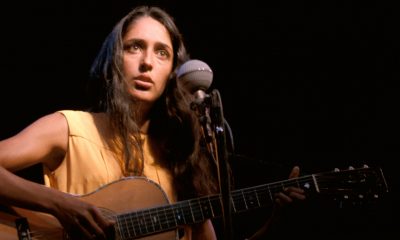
143 83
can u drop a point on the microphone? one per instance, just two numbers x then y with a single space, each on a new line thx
196 77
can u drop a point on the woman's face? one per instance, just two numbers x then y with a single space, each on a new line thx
148 59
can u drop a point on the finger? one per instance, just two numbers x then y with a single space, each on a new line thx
105 223
296 195
92 227
293 189
84 232
102 221
282 198
294 192
295 172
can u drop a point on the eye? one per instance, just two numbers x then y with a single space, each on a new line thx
163 53
133 47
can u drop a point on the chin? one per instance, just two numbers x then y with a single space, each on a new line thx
144 99
143 96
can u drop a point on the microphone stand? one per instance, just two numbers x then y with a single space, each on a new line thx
213 130
217 118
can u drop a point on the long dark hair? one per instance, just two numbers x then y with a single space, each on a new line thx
174 128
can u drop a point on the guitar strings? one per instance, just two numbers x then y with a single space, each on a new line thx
145 221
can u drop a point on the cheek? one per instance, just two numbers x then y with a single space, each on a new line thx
129 64
163 84
126 65
165 73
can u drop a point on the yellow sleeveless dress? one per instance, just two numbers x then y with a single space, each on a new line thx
89 163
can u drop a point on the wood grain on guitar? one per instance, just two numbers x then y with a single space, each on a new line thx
141 209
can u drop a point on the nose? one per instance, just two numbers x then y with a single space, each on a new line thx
146 63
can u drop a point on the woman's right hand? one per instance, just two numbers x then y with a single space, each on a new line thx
82 220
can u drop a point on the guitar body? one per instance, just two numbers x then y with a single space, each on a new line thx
125 195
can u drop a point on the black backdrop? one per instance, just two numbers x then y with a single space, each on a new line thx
312 83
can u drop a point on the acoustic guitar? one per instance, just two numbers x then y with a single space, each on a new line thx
141 209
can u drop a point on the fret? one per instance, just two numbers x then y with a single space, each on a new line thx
132 226
165 218
211 207
127 229
181 216
142 223
238 200
148 221
196 210
263 195
119 227
201 208
135 223
124 227
172 213
191 211
244 199
160 219
258 200
233 204
215 203
206 208
155 220
270 194
251 199
315 183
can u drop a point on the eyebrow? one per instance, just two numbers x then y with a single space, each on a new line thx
142 41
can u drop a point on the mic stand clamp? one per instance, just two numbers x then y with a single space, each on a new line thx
202 109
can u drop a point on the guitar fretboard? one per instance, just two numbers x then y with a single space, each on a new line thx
159 219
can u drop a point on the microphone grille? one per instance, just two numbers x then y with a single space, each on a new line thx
195 75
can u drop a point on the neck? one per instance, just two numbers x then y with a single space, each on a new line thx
143 117
144 126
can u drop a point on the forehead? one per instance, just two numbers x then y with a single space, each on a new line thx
149 29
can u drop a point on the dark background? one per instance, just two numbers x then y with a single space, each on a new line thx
308 83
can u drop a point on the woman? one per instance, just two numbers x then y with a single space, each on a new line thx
142 126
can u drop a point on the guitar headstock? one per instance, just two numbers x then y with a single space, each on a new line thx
355 185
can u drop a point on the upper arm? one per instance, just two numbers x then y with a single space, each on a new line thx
44 141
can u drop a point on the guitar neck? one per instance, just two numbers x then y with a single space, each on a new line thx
197 210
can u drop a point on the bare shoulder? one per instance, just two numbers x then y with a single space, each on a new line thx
47 126
45 140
